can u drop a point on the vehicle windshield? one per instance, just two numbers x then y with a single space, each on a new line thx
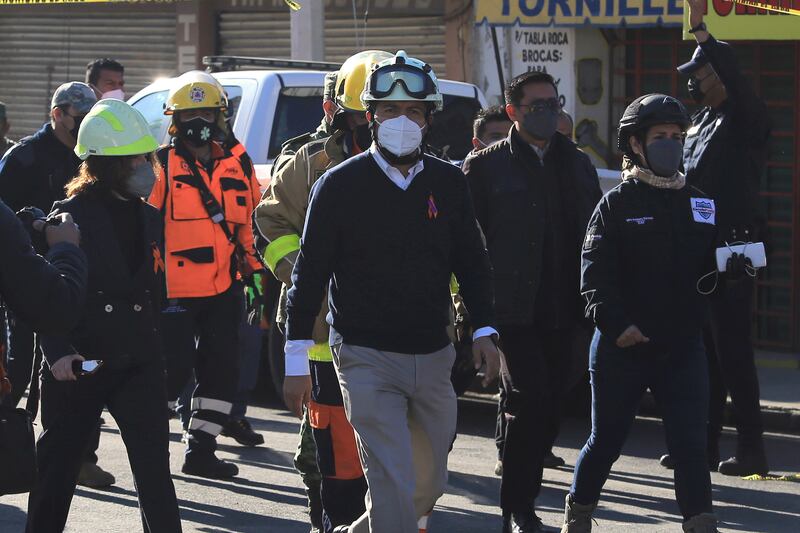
452 127
299 111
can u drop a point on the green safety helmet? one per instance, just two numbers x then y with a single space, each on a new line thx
402 78
114 128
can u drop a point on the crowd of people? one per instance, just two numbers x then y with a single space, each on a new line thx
130 294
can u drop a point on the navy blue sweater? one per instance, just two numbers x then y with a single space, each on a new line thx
388 255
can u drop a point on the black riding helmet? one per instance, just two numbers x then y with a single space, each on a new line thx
649 110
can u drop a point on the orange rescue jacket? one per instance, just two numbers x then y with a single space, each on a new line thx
199 257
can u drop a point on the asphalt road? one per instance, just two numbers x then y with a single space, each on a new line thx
268 495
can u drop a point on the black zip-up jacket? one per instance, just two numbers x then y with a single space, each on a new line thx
726 149
35 171
46 294
508 189
645 251
118 324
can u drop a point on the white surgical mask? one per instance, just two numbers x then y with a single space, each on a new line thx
116 94
400 135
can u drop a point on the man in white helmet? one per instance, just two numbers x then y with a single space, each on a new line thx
385 230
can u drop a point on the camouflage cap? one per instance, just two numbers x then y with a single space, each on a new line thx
74 93
329 86
2 111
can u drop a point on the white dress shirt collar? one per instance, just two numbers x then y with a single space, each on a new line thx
392 173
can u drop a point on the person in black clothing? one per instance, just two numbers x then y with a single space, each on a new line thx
533 194
34 173
649 243
724 156
44 292
123 239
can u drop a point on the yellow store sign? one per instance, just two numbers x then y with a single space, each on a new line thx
744 21
598 13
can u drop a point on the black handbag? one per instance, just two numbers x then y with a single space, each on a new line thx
17 451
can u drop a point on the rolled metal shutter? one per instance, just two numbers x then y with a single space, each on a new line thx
420 36
254 34
267 34
39 52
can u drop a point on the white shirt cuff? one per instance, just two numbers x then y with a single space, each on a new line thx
296 357
484 332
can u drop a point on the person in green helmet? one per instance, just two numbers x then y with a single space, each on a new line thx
113 357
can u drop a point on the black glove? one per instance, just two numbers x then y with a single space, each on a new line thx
29 215
736 267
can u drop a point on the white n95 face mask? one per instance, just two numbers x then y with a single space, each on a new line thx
116 94
400 135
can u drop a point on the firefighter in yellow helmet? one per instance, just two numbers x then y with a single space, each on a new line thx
279 219
206 191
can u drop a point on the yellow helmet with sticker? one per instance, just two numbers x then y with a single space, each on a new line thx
195 90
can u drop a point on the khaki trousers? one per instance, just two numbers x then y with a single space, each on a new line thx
403 410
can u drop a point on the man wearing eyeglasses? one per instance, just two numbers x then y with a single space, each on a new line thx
534 193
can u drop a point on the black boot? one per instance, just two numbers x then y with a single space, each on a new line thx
201 461
524 522
239 429
750 459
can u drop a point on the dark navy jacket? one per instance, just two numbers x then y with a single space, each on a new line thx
645 251
46 296
726 148
34 172
508 187
118 324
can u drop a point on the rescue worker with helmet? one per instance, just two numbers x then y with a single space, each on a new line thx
206 192
305 457
122 238
280 218
648 245
386 229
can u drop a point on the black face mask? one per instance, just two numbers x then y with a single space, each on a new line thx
541 123
694 90
362 136
198 131
664 157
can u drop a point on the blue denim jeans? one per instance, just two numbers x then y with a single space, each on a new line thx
679 381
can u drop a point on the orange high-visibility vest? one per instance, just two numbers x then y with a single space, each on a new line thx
198 254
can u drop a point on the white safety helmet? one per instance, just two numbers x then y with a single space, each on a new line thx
402 78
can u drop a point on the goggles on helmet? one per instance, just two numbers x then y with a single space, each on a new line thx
415 82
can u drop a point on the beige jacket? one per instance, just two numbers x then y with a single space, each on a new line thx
281 214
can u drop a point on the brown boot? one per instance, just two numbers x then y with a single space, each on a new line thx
577 517
702 523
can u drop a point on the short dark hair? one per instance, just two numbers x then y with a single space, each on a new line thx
514 93
94 67
495 113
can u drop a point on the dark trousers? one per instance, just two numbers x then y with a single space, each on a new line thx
136 398
732 366
19 361
679 382
538 362
343 483
25 356
202 334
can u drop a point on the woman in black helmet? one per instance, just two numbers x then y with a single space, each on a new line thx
649 242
